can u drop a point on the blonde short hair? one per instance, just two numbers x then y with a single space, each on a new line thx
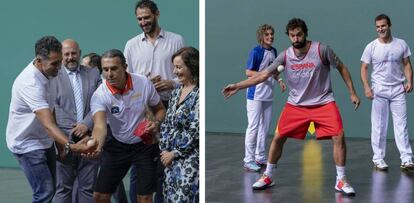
261 31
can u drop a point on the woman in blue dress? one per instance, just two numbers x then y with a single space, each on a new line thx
179 141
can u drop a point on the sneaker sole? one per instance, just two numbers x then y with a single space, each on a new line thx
344 193
407 169
261 165
264 187
380 169
250 170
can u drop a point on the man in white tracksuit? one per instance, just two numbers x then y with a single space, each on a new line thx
391 68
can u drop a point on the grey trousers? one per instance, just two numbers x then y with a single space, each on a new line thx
79 169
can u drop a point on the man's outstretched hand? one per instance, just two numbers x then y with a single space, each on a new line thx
230 90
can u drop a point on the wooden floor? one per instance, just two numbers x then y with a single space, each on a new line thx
305 173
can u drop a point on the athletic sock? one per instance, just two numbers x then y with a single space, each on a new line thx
269 169
340 172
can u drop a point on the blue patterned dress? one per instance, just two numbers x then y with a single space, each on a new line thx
180 133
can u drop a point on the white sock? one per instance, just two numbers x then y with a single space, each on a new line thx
269 169
340 172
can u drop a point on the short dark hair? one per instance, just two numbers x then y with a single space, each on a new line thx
147 4
45 45
190 57
382 17
114 53
295 23
94 61
261 31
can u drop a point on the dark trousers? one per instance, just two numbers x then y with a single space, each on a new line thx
74 179
159 198
120 195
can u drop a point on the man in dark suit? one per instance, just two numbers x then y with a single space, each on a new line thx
70 94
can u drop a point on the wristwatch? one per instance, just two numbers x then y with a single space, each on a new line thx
67 147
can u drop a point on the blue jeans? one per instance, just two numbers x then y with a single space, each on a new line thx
39 166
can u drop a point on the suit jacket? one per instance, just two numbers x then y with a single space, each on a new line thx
63 101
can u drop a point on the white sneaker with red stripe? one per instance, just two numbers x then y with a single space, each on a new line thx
263 183
344 187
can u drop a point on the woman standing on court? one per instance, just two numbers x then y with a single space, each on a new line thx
259 99
179 141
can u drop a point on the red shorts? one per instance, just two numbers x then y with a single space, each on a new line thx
294 121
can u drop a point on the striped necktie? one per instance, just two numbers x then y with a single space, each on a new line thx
77 93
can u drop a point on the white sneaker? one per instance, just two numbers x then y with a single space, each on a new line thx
407 165
344 187
252 166
380 165
263 183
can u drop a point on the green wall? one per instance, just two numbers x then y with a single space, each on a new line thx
98 25
347 26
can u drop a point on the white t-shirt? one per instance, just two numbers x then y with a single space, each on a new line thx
24 132
124 112
146 58
386 60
